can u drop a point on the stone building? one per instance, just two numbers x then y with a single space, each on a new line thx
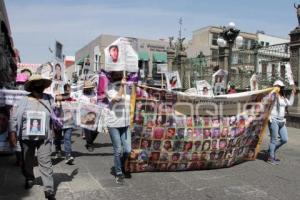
8 55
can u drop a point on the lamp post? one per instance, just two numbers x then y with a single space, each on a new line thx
228 37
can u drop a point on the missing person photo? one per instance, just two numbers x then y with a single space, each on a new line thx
113 53
88 116
36 123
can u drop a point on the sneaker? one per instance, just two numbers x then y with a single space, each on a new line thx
49 195
69 160
58 155
272 161
89 148
29 183
120 179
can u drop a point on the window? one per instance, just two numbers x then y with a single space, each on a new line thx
267 43
262 43
214 54
214 39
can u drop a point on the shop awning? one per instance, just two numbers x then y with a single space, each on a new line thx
160 57
143 56
81 61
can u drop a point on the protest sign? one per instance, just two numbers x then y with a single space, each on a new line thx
36 121
58 72
204 88
69 114
254 82
88 115
173 80
162 68
120 56
219 80
173 131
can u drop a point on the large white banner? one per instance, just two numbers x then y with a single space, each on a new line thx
10 97
120 56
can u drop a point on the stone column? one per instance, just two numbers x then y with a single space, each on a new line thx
295 58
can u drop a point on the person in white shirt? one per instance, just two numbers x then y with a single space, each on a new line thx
277 122
118 94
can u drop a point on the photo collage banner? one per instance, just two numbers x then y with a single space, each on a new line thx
173 131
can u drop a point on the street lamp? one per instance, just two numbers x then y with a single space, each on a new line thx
228 37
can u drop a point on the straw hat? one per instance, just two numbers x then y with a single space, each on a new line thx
88 85
36 80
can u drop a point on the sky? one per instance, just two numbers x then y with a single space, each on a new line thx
37 24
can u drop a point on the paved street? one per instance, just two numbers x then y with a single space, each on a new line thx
90 178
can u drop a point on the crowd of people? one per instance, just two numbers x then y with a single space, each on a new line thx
36 139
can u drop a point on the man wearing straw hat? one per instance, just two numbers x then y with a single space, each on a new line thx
35 106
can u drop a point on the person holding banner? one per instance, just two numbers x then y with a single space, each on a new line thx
118 120
37 105
277 121
89 96
66 131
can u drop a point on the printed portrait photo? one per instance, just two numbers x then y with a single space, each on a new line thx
36 122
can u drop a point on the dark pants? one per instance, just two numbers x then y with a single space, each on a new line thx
43 148
90 136
67 135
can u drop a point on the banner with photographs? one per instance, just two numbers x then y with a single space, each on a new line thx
174 131
36 121
219 80
88 116
69 114
120 56
204 88
173 80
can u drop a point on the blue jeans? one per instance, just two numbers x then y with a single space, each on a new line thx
120 136
277 129
67 140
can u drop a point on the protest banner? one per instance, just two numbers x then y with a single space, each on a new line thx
219 80
120 56
173 131
204 88
173 80
10 97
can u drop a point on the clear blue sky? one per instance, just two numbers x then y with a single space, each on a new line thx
36 24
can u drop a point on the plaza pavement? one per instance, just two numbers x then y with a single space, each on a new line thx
89 178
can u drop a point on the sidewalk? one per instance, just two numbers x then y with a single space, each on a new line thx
90 178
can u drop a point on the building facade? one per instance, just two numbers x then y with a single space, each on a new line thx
150 52
204 42
8 55
273 54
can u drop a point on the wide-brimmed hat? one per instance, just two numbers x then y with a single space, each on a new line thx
36 80
279 83
88 85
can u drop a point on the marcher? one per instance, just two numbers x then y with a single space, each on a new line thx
66 131
231 89
89 96
118 94
39 103
20 82
277 122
